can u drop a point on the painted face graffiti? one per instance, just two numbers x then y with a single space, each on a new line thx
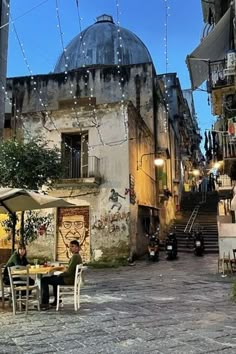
73 224
72 228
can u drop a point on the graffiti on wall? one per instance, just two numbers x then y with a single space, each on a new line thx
73 224
114 220
114 199
111 222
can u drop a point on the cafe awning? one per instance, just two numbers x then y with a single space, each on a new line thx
213 47
16 199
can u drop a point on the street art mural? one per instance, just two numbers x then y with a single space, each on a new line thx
114 199
111 226
111 222
73 224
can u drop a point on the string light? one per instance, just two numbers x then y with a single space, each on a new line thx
166 81
17 116
44 112
46 115
88 79
120 75
24 14
66 58
165 76
33 83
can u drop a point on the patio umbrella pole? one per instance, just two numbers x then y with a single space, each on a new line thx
22 227
13 200
13 231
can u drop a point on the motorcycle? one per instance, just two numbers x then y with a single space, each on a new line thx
153 246
171 246
198 243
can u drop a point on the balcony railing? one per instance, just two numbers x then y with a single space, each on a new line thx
217 76
86 168
229 147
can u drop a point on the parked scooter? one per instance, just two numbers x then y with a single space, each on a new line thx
198 243
153 245
171 246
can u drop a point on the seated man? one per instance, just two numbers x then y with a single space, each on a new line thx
65 278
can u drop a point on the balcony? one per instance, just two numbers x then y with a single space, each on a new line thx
219 75
77 172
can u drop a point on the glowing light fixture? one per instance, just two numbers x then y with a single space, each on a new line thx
216 165
196 172
159 161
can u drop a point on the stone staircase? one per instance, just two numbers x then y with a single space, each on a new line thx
206 218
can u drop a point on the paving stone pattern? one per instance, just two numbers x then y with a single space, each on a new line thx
175 307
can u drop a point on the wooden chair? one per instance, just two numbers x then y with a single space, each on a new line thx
64 290
5 289
21 291
223 262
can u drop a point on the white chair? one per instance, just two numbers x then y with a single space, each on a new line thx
21 291
64 290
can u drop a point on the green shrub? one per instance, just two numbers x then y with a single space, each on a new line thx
109 263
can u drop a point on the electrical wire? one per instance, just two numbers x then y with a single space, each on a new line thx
24 14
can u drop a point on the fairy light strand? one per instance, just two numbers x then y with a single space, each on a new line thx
34 81
17 117
24 14
165 76
167 14
87 80
66 58
119 59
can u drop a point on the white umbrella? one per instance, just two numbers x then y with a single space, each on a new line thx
16 199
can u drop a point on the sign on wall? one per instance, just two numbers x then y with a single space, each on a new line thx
132 194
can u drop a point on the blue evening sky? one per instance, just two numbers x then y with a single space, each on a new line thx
36 25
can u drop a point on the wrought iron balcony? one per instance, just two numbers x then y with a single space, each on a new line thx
219 75
83 171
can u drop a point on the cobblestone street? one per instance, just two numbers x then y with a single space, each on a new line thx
181 307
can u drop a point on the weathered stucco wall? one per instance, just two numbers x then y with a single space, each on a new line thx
117 137
142 170
104 84
108 211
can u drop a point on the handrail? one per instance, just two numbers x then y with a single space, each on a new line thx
191 220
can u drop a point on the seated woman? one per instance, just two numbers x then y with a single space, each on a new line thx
18 258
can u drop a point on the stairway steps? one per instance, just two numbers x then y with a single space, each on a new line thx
206 218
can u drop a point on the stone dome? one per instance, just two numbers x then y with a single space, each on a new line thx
103 44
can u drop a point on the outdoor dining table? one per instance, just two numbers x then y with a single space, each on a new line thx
39 272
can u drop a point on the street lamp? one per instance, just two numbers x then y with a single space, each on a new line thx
196 173
159 161
217 164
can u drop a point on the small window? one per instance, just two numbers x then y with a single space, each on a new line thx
75 155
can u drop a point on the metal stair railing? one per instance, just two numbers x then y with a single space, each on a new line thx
191 220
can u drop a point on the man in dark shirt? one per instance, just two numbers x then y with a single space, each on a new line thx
65 278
